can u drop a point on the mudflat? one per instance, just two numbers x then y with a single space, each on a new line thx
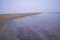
35 27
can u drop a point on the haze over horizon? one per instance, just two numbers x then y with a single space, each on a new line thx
21 6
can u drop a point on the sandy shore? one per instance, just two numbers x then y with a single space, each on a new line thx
35 27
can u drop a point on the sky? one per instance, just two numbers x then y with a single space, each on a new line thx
24 6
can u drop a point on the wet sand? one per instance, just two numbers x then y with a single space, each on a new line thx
35 27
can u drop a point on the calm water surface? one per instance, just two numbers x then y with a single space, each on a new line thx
45 26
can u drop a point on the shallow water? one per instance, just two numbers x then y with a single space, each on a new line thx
45 26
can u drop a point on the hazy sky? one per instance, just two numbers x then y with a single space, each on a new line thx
18 6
